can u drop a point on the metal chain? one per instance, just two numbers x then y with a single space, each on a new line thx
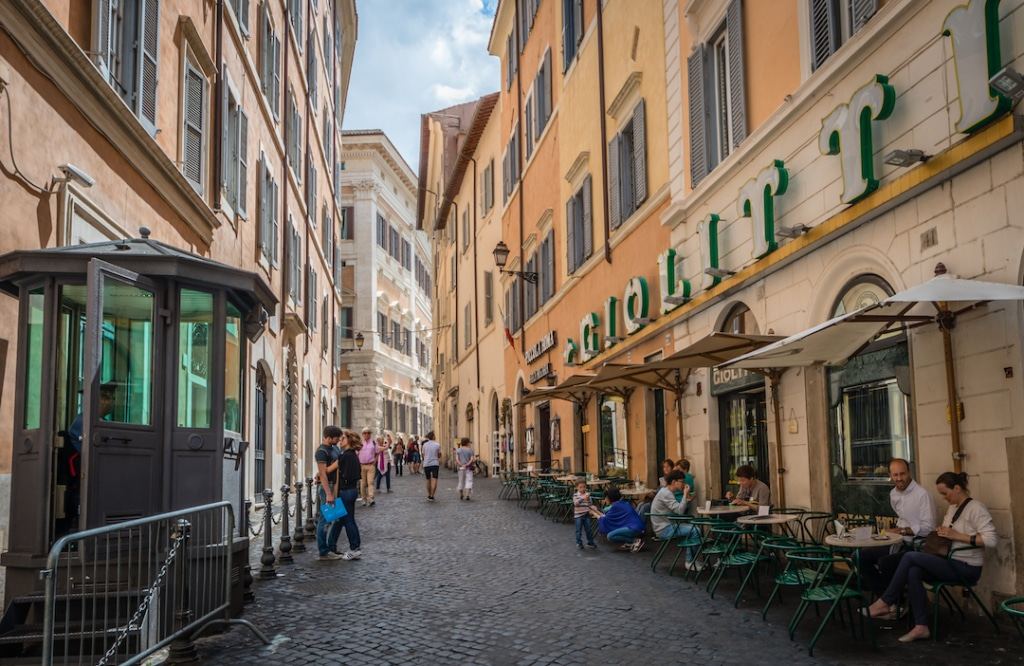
257 532
144 606
276 522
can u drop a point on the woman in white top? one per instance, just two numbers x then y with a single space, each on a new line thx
968 525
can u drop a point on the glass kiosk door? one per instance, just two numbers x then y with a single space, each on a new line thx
124 334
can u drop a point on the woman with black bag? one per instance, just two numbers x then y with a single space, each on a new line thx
951 554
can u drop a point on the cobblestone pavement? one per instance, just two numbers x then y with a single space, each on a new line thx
485 582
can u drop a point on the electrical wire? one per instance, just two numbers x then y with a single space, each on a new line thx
16 170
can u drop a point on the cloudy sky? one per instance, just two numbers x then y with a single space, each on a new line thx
415 56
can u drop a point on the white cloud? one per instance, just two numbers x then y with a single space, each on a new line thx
413 57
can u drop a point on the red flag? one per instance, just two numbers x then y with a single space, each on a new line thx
508 336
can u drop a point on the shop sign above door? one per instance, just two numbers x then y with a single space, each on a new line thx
545 343
726 380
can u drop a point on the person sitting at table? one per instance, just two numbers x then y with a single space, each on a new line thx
644 509
968 526
667 503
753 492
666 466
915 517
620 523
691 483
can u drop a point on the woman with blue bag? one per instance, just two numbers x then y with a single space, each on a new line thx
338 471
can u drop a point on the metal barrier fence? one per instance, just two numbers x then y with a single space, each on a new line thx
119 593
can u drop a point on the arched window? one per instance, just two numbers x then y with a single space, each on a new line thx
740 320
869 398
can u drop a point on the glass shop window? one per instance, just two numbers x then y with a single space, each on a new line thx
195 325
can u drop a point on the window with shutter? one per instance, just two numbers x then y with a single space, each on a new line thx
548 258
324 327
241 10
263 193
835 21
614 216
275 225
639 155
698 135
488 298
531 128
347 322
243 163
148 54
193 163
326 233
737 86
586 222
295 15
465 230
468 324
311 68
571 260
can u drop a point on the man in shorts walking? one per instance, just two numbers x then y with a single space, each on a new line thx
431 451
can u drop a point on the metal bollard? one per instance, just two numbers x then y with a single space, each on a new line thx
267 570
182 650
284 547
247 593
299 535
311 502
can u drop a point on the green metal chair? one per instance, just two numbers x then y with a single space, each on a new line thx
779 548
716 543
942 592
814 526
826 585
1014 608
743 553
663 548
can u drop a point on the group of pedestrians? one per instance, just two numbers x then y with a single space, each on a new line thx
351 467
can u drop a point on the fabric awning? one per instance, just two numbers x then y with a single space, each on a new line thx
836 340
573 387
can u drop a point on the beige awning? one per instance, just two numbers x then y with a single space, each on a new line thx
574 387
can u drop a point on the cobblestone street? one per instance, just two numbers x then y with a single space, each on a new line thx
485 582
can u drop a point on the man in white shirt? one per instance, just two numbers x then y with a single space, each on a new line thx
915 517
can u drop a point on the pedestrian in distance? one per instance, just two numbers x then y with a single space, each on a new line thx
383 464
431 464
413 456
582 507
368 466
398 456
464 459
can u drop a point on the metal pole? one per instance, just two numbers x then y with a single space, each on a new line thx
284 547
247 594
267 570
310 505
299 535
780 484
953 404
182 650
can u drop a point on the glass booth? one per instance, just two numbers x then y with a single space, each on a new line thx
129 403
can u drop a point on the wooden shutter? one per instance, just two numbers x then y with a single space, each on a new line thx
639 155
571 260
549 266
195 90
101 35
698 127
266 51
264 212
546 88
737 87
243 15
149 51
275 224
613 183
276 70
567 34
228 138
588 230
861 11
824 31
243 160
311 67
577 22
532 125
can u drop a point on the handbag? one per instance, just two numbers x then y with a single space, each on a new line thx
333 512
939 545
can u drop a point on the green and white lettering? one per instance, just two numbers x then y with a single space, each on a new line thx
847 132
589 335
638 303
974 30
674 291
571 352
707 237
757 201
611 322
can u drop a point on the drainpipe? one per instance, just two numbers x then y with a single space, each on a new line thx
522 182
476 284
218 109
314 316
604 130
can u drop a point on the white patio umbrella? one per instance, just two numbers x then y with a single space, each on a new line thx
836 340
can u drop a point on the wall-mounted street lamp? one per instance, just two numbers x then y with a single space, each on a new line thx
905 158
359 340
501 258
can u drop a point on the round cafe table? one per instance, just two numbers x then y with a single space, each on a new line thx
634 492
726 510
598 482
855 544
568 479
782 519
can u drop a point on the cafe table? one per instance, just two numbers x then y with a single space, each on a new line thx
599 482
856 544
569 479
633 493
724 510
783 519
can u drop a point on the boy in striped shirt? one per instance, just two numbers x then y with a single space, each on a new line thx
582 507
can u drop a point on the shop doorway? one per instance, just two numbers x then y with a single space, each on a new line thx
544 426
743 435
659 429
259 475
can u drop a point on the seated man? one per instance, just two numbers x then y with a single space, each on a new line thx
620 522
666 504
915 517
753 492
